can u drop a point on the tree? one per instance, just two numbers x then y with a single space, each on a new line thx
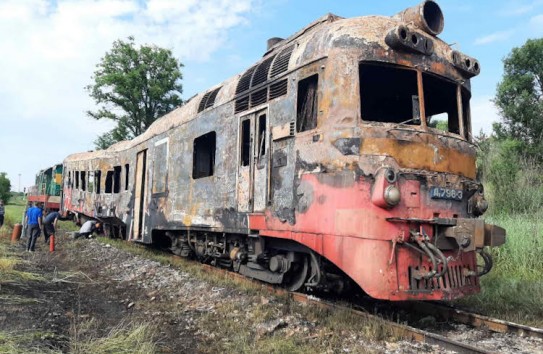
133 87
519 98
5 187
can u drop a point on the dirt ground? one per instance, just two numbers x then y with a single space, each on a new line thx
90 288
78 295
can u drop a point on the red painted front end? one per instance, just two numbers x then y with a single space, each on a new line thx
367 242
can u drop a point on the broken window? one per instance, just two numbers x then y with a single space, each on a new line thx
126 176
90 186
203 159
388 94
83 181
160 167
76 179
98 181
117 179
261 136
440 102
109 181
245 142
466 112
69 179
306 118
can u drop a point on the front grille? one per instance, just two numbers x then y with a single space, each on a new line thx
452 279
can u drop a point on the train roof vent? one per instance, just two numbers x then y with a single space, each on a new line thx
261 73
280 65
245 81
278 89
208 100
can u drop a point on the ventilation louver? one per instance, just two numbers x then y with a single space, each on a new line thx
261 73
245 81
278 89
208 100
280 65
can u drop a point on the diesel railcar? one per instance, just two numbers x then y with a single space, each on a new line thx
47 188
317 167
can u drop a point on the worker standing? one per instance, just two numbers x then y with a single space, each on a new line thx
34 221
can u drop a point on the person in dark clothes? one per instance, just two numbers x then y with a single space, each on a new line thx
2 212
34 221
50 224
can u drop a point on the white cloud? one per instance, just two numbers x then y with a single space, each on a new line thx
483 114
49 52
494 37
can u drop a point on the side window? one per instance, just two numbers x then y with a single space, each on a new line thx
126 176
83 181
160 167
117 179
203 158
245 142
69 179
90 186
76 179
98 181
109 181
261 139
307 109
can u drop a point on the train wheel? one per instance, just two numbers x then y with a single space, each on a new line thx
298 275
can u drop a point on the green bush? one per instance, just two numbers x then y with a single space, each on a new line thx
514 182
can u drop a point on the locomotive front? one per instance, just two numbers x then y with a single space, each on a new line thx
416 136
407 226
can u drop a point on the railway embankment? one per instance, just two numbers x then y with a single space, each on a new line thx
95 295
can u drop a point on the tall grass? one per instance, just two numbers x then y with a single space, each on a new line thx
514 187
513 290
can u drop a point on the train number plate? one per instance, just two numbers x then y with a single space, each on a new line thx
446 193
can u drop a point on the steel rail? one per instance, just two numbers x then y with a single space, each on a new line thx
473 319
404 331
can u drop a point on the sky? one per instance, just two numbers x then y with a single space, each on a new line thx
49 50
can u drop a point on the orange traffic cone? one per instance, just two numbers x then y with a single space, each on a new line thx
51 243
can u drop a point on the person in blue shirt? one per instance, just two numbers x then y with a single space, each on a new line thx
50 224
34 221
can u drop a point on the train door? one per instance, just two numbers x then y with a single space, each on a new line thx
253 167
140 193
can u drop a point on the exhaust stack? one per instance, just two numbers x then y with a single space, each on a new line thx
426 16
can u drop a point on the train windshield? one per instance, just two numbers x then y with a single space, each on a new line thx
390 94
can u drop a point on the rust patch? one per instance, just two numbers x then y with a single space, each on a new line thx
419 155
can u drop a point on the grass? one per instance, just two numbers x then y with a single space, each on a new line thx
8 262
124 338
24 342
513 290
14 211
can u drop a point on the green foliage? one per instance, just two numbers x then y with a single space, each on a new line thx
5 187
513 290
439 124
519 98
514 182
134 86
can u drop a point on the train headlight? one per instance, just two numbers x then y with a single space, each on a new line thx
392 195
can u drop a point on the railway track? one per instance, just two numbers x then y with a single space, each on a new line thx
408 332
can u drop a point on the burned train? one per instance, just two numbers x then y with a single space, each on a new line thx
318 166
